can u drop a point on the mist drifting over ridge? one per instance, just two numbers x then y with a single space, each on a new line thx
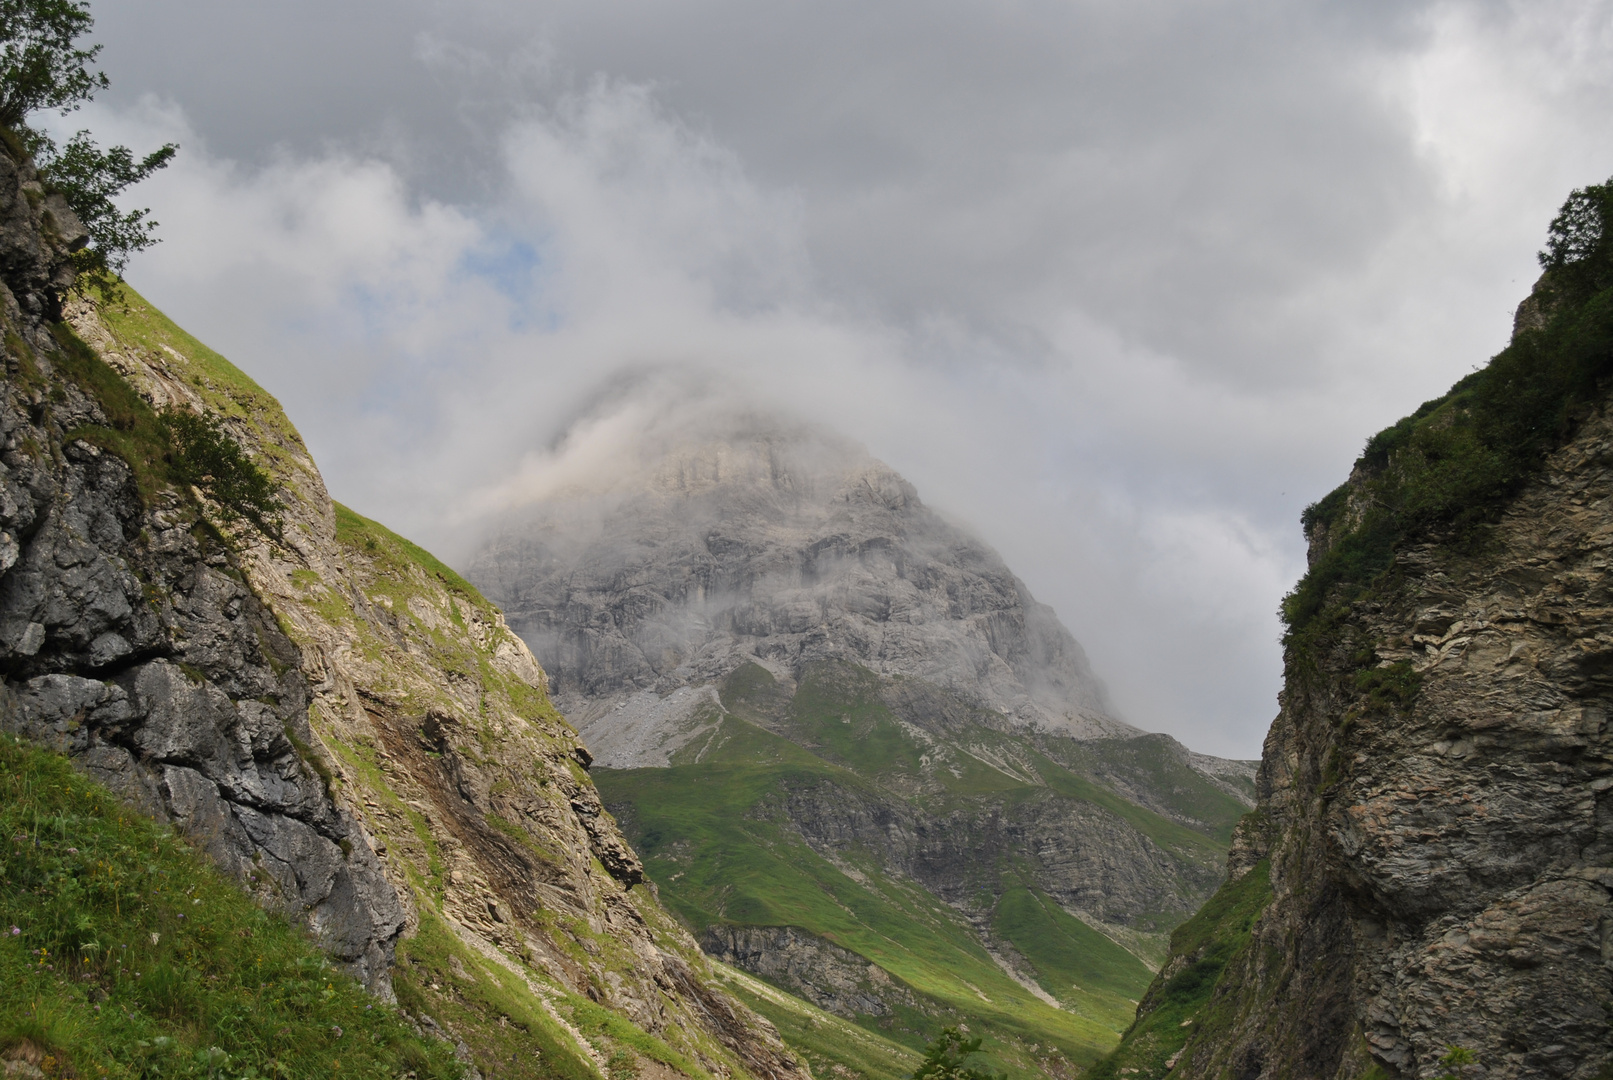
660 547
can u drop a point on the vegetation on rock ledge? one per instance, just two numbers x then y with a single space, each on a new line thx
1443 472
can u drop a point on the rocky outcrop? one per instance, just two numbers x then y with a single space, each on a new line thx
1085 857
1437 807
38 230
129 640
834 979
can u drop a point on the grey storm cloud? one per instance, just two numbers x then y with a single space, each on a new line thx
1121 285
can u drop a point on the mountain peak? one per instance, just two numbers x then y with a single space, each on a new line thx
761 540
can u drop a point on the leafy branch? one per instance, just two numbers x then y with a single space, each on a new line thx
42 67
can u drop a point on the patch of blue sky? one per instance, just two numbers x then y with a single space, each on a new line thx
516 268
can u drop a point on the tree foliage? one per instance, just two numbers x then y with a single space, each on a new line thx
944 1059
43 67
1579 244
202 454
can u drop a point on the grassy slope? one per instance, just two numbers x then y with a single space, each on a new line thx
124 953
1174 1006
713 836
829 1043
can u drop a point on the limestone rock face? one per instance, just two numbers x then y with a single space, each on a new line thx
37 231
780 545
1442 873
130 640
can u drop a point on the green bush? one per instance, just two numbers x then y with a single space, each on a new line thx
945 1057
202 453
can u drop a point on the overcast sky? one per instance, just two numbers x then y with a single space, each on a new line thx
1122 286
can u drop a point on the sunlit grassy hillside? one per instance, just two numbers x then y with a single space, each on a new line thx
717 837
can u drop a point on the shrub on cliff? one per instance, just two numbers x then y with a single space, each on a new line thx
1442 472
203 454
945 1056
43 67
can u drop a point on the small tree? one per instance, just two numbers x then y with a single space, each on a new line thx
1456 1060
1579 244
944 1059
42 67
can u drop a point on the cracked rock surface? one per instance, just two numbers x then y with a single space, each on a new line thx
130 640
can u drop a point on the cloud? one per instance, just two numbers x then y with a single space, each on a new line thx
1123 287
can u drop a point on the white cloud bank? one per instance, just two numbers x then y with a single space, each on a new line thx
1126 350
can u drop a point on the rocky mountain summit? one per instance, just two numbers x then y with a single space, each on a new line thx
341 722
772 543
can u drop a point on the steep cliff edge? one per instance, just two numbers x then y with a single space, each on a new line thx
1435 813
340 721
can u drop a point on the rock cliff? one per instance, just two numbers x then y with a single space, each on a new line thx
338 719
1436 794
129 639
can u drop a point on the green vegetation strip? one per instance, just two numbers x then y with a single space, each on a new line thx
124 953
1176 1007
